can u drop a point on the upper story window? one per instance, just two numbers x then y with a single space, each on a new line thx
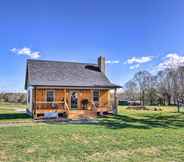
96 95
50 96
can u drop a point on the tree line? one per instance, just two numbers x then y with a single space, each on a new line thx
13 97
164 88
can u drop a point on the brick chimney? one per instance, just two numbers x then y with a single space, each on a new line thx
101 64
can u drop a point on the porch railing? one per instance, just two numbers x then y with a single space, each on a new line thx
52 106
63 106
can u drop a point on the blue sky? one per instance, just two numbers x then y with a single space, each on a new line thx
133 35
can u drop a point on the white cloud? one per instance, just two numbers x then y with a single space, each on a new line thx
172 60
139 60
134 66
35 54
13 50
112 62
26 52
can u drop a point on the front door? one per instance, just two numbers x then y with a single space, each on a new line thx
74 99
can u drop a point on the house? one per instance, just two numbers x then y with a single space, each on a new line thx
68 89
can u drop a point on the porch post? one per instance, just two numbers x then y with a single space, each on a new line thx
65 100
65 96
115 109
91 100
34 103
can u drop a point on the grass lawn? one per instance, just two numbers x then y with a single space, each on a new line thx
10 112
135 136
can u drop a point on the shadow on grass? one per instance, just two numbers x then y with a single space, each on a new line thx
14 116
144 122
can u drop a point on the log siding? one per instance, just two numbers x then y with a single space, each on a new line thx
62 96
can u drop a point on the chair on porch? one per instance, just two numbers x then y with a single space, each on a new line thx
85 104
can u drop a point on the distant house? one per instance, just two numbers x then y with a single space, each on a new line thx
68 89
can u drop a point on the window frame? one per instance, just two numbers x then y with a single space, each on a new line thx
53 91
96 90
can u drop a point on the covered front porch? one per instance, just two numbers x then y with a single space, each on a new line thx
59 109
52 102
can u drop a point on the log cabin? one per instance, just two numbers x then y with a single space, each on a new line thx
57 89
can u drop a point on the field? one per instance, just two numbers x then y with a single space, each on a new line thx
135 136
11 113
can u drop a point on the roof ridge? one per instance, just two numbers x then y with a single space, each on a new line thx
37 60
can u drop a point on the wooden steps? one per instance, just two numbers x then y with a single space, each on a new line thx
81 114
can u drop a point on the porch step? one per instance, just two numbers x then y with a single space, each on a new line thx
81 114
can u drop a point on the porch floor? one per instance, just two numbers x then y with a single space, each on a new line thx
73 114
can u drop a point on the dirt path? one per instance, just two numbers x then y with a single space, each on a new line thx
30 123
17 123
21 110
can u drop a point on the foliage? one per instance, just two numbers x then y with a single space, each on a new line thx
13 97
166 87
131 90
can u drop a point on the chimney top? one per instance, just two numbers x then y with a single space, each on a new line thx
101 64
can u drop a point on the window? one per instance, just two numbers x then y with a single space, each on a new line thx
96 95
50 96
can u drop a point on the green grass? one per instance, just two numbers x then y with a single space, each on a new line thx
135 136
10 112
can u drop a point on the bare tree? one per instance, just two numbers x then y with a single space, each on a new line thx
152 90
167 87
180 86
131 90
142 78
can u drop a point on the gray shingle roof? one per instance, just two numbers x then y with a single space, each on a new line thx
66 74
